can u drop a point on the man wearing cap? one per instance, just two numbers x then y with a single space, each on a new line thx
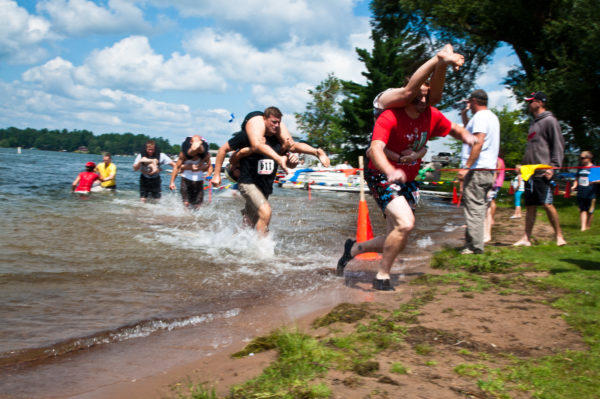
545 145
478 163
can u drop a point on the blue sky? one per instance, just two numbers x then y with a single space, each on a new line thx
180 67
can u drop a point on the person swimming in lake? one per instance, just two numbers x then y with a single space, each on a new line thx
84 181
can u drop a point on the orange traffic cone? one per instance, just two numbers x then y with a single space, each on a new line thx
454 195
568 189
364 231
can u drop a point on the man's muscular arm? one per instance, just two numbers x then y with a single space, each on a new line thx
255 128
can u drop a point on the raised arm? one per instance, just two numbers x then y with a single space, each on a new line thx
401 97
446 57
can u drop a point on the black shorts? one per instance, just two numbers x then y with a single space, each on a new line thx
385 192
538 191
586 204
192 191
150 187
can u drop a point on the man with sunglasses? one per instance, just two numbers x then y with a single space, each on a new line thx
545 145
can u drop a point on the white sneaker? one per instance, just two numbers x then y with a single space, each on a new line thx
466 251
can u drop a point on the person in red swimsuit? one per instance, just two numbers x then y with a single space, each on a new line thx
83 183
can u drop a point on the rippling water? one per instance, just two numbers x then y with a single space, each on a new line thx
78 272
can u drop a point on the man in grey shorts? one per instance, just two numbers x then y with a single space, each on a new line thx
257 174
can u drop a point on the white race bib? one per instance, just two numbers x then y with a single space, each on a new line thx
266 166
584 181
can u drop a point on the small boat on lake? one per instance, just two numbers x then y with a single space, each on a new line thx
331 179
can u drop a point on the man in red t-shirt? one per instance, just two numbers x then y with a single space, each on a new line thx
398 131
83 183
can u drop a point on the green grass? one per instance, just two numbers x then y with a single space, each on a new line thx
573 277
399 368
301 359
423 349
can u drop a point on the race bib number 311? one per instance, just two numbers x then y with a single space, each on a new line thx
266 166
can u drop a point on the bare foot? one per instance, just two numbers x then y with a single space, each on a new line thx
560 242
522 243
323 157
448 55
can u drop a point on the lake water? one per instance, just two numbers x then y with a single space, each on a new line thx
76 273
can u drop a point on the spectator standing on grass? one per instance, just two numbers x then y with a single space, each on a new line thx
478 163
545 145
586 191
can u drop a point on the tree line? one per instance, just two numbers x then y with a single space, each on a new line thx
64 140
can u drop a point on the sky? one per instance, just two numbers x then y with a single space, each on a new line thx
173 68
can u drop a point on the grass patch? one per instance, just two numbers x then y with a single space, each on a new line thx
423 349
301 359
345 312
399 368
258 344
471 370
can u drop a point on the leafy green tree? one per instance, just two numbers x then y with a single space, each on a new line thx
400 46
321 120
556 41
514 126
391 60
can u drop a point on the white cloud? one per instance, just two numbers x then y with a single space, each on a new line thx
268 22
502 98
287 63
132 64
21 34
493 73
83 17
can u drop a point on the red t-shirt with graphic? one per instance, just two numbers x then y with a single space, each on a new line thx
86 179
400 132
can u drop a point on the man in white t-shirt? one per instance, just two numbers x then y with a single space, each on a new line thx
485 126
